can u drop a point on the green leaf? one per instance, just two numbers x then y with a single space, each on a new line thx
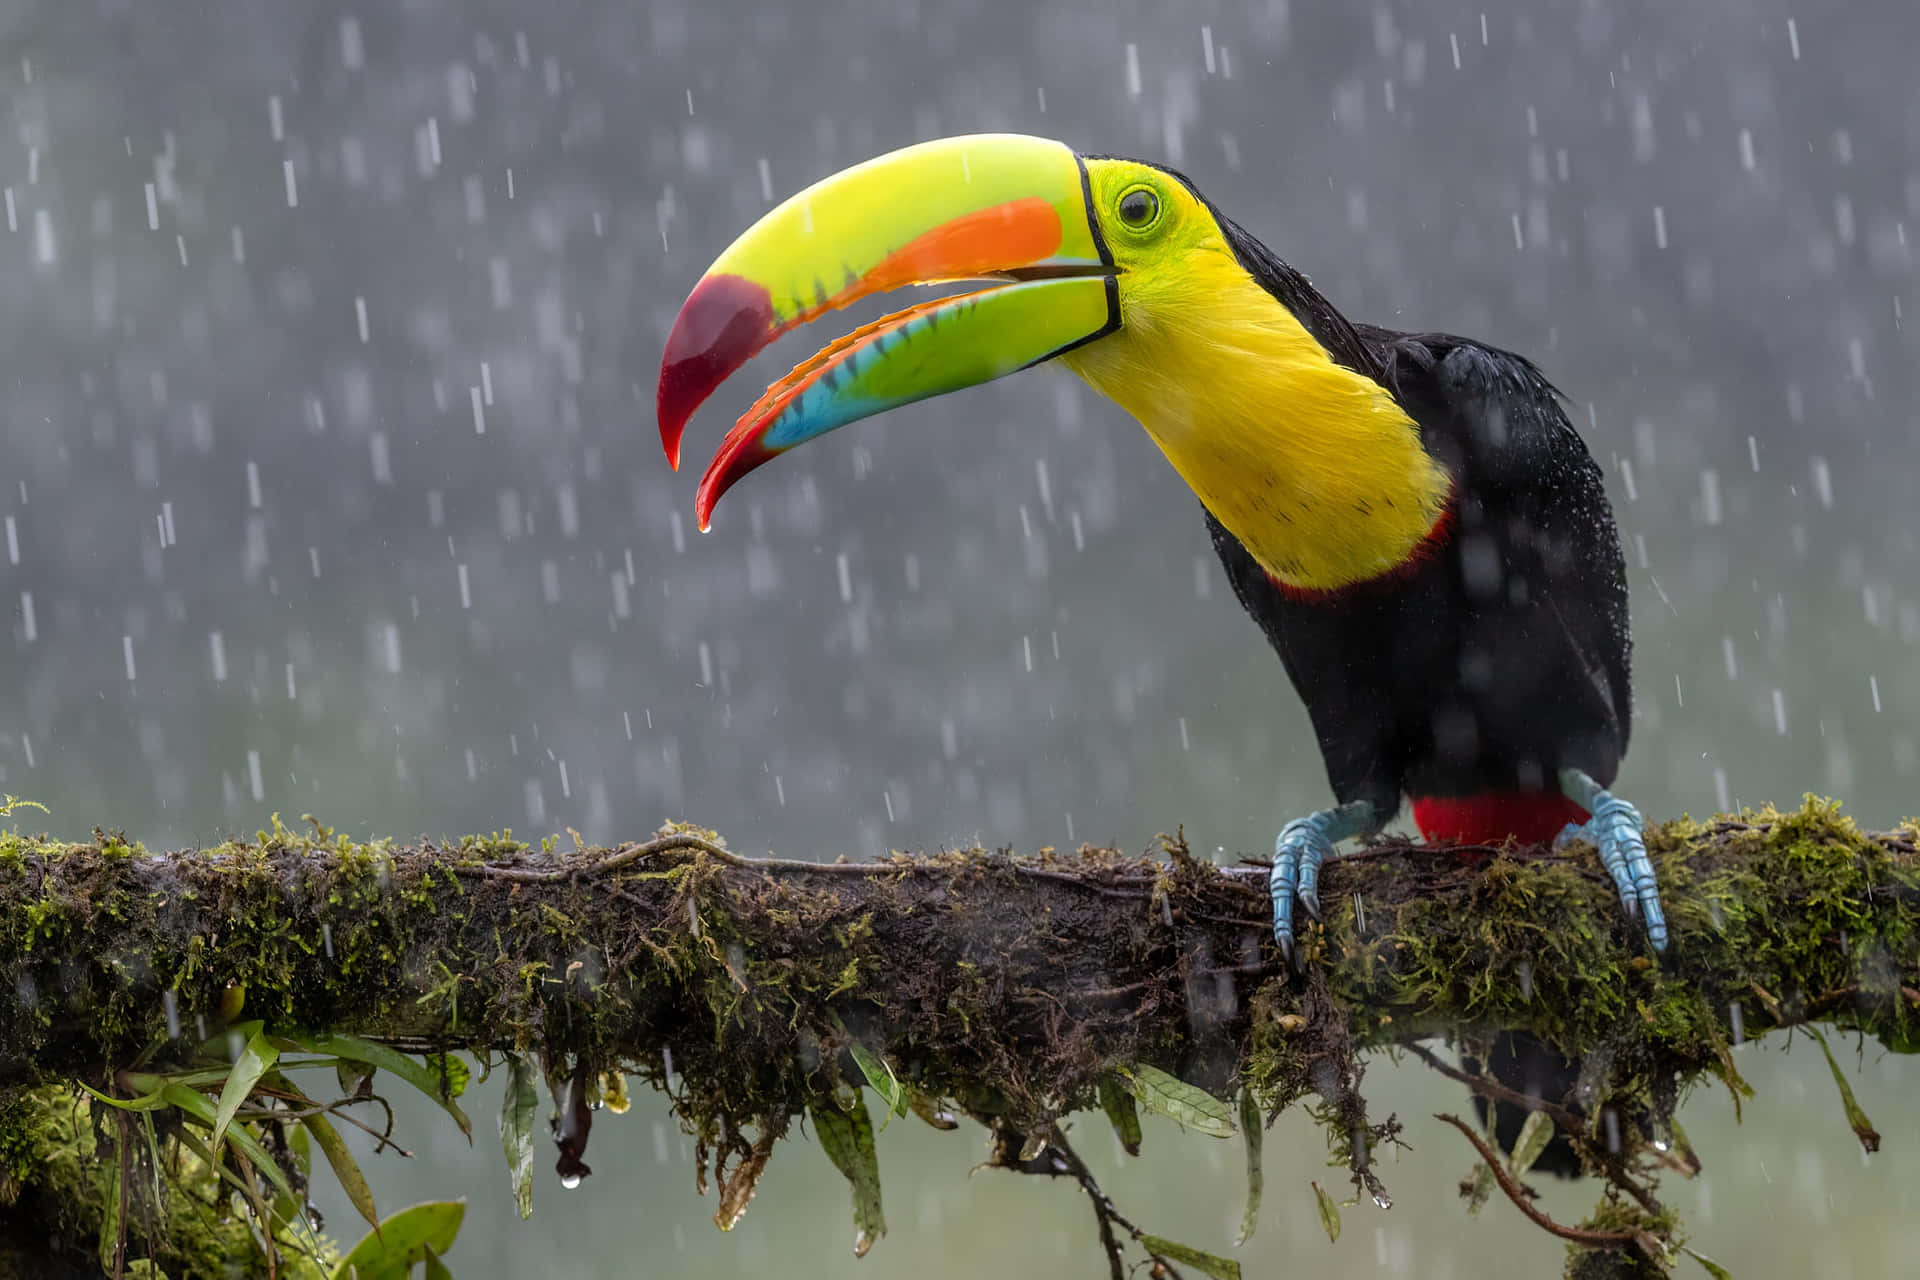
392 1061
1186 1105
301 1145
1713 1268
847 1138
146 1102
352 1181
451 1070
389 1251
880 1075
1856 1118
1535 1133
517 1112
351 1076
1482 1188
1253 1131
1329 1212
1173 1251
253 1062
240 1138
113 1224
1124 1116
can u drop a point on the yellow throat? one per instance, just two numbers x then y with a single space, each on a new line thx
1313 467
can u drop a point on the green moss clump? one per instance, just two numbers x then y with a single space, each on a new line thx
59 1175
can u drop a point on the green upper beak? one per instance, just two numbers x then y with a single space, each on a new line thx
983 207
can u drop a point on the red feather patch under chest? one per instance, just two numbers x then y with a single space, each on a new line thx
1531 817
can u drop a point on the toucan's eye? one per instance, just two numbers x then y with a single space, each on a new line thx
1139 207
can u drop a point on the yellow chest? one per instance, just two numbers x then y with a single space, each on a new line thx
1310 465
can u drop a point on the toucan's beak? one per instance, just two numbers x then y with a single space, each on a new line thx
990 206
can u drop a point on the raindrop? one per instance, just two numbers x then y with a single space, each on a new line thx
170 1005
1133 69
293 187
326 938
1524 973
1738 1017
569 1180
1822 481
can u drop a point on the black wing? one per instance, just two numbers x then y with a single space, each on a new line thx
1536 553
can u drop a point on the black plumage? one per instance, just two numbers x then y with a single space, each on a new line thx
1503 655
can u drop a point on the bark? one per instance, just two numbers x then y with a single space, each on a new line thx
1012 986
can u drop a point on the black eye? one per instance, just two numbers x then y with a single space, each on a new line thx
1139 207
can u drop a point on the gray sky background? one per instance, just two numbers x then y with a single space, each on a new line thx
331 483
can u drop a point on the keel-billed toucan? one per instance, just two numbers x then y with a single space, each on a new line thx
1410 517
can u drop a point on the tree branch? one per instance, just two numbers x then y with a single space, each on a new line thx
1012 986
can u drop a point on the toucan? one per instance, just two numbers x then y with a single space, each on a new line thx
1410 517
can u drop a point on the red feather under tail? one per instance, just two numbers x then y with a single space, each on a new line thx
1531 817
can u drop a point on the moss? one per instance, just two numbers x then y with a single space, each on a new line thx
1011 986
59 1172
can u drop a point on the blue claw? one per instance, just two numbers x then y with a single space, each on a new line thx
1303 845
1615 830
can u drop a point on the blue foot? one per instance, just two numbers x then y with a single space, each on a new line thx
1615 830
1303 845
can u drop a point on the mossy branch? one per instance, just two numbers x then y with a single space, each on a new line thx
1012 986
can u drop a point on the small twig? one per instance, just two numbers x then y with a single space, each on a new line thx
1488 1087
700 844
1587 1236
1105 1211
1566 1120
